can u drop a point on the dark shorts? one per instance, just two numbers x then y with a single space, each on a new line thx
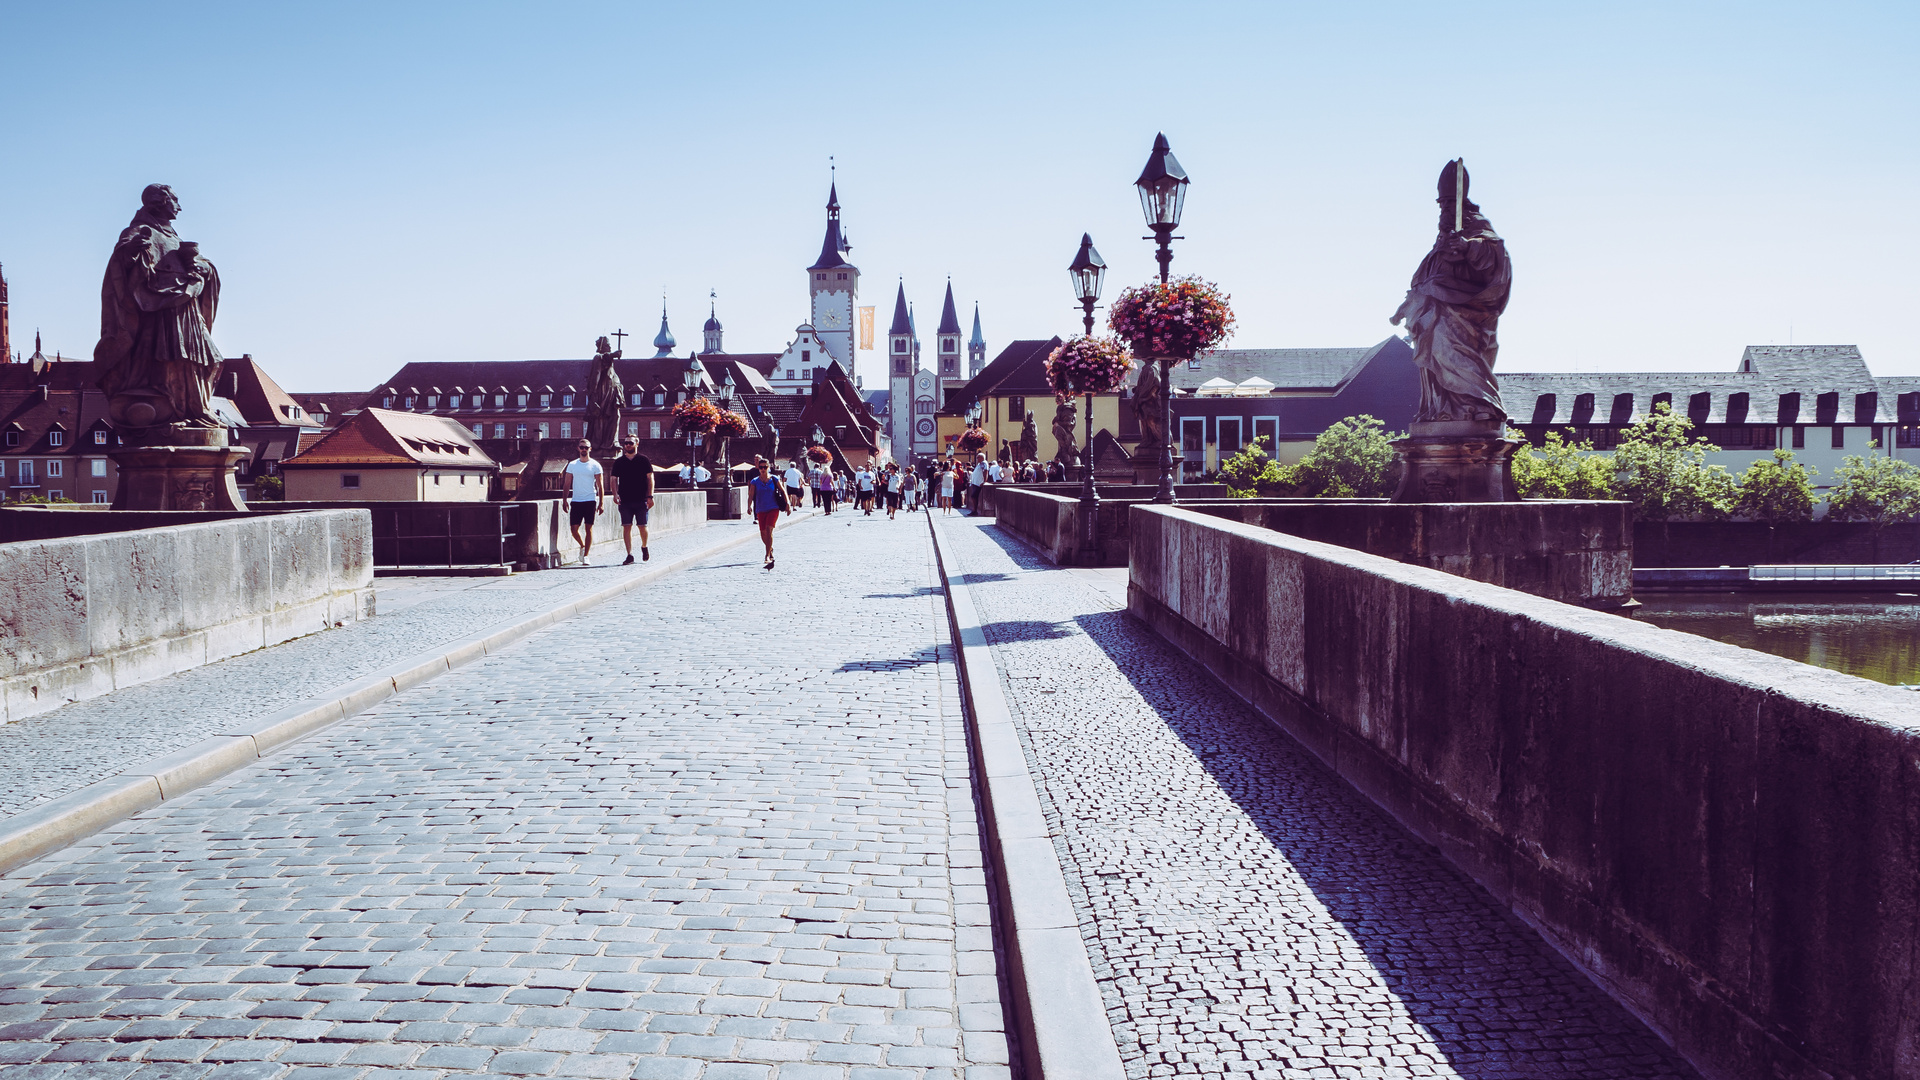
795 495
583 513
634 513
893 500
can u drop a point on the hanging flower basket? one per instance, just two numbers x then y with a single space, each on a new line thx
819 454
973 440
1088 365
1174 320
731 425
696 415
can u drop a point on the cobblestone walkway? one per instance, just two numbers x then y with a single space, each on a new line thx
1247 914
717 829
46 756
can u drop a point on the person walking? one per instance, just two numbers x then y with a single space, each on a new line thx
895 485
864 478
910 489
633 494
823 488
975 481
946 491
769 498
796 482
583 475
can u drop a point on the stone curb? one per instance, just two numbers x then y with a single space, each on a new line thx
78 814
1058 1014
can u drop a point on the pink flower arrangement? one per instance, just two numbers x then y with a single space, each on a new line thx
697 415
973 440
731 425
1174 320
1088 365
819 454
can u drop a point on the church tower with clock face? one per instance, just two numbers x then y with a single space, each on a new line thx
834 284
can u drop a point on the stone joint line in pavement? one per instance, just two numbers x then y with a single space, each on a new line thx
716 829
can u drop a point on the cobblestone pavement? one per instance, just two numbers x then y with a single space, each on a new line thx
1246 913
717 829
46 756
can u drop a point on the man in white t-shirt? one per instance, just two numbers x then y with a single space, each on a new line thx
993 472
582 478
976 480
796 482
863 480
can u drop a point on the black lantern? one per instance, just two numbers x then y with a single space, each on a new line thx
1163 194
1088 271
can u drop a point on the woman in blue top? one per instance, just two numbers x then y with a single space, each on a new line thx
769 499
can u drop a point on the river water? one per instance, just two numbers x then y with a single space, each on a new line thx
1875 637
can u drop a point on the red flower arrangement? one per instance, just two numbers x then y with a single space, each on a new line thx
1088 365
697 415
1174 320
973 440
731 425
819 454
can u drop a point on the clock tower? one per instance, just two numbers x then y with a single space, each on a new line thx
834 284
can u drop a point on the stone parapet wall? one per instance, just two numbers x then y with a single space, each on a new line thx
531 534
1048 516
1727 841
84 615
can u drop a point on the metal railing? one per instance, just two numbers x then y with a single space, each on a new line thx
1907 572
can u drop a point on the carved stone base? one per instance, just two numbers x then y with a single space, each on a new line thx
1456 469
179 478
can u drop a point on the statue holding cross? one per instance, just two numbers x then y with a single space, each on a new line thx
604 392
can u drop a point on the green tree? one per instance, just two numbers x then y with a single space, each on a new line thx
1879 490
1251 472
1776 490
1352 459
269 488
1663 471
1563 469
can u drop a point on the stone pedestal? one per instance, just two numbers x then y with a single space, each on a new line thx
1456 462
180 477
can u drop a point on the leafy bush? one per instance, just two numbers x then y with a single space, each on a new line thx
1251 472
1775 490
1563 469
1664 472
1880 490
1352 459
270 488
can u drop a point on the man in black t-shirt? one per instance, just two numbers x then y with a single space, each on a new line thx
633 493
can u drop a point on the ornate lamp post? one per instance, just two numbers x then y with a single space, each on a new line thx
691 377
1088 270
1163 194
725 393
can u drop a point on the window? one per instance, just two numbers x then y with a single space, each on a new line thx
56 493
13 436
99 438
806 373
479 431
1268 428
463 479
26 473
660 398
543 430
386 403
350 481
924 405
1839 436
899 345
55 437
499 431
436 479
453 402
408 404
1228 434
819 277
1799 436
55 468
899 365
633 428
433 401
566 401
1017 408
840 277
1907 437
519 431
789 373
520 400
499 401
1193 365
100 497
566 430
949 345
637 398
1193 434
98 466
546 401
653 429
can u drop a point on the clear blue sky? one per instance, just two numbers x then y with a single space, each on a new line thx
386 182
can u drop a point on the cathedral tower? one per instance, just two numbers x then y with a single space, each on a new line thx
977 347
900 365
834 284
948 338
711 331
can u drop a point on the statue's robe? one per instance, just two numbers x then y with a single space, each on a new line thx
604 393
156 327
1453 312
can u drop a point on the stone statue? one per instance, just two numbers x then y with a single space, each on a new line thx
1063 416
1453 310
156 354
604 395
1029 440
1146 410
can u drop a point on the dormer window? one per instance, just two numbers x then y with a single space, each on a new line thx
386 403
499 401
99 438
566 401
546 401
520 400
660 398
13 435
55 437
408 404
433 401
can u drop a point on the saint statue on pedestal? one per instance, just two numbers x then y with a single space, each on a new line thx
156 353
1452 312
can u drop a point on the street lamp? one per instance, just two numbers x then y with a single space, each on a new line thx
724 391
1163 194
1088 270
692 377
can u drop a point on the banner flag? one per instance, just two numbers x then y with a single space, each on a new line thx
866 329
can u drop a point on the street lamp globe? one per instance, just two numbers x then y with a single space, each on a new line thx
694 374
726 389
1163 187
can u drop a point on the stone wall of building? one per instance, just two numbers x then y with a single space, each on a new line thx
86 614
1727 841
